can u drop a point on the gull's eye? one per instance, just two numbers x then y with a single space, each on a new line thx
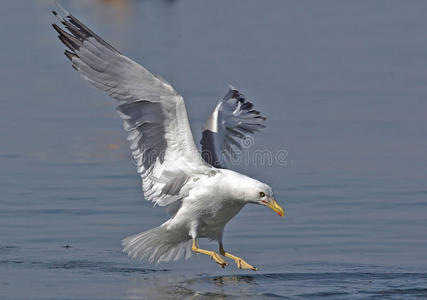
262 194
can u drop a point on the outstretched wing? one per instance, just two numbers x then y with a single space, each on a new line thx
226 129
153 113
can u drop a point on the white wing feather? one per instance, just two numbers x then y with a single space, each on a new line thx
229 124
153 113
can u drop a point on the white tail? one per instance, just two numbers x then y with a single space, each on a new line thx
158 245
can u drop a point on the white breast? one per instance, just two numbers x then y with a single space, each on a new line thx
209 206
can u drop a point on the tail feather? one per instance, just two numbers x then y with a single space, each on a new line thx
158 245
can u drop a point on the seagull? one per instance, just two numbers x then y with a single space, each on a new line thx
197 189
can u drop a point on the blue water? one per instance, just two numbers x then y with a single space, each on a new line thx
344 88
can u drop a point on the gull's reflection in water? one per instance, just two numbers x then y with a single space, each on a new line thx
233 279
178 287
233 285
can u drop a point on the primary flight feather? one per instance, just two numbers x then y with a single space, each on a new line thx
200 195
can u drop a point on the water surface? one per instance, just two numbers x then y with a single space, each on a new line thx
343 86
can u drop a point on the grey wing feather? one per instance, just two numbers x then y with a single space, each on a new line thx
153 113
232 120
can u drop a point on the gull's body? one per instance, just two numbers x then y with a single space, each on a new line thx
209 206
200 195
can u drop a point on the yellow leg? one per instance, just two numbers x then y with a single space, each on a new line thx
218 259
241 264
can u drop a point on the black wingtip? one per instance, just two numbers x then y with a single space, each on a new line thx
54 13
247 105
56 27
69 40
70 55
254 112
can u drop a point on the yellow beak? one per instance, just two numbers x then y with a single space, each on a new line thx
276 207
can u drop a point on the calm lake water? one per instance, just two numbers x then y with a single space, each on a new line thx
344 87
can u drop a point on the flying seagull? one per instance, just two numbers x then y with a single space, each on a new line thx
200 194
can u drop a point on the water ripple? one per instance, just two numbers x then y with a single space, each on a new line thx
80 265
